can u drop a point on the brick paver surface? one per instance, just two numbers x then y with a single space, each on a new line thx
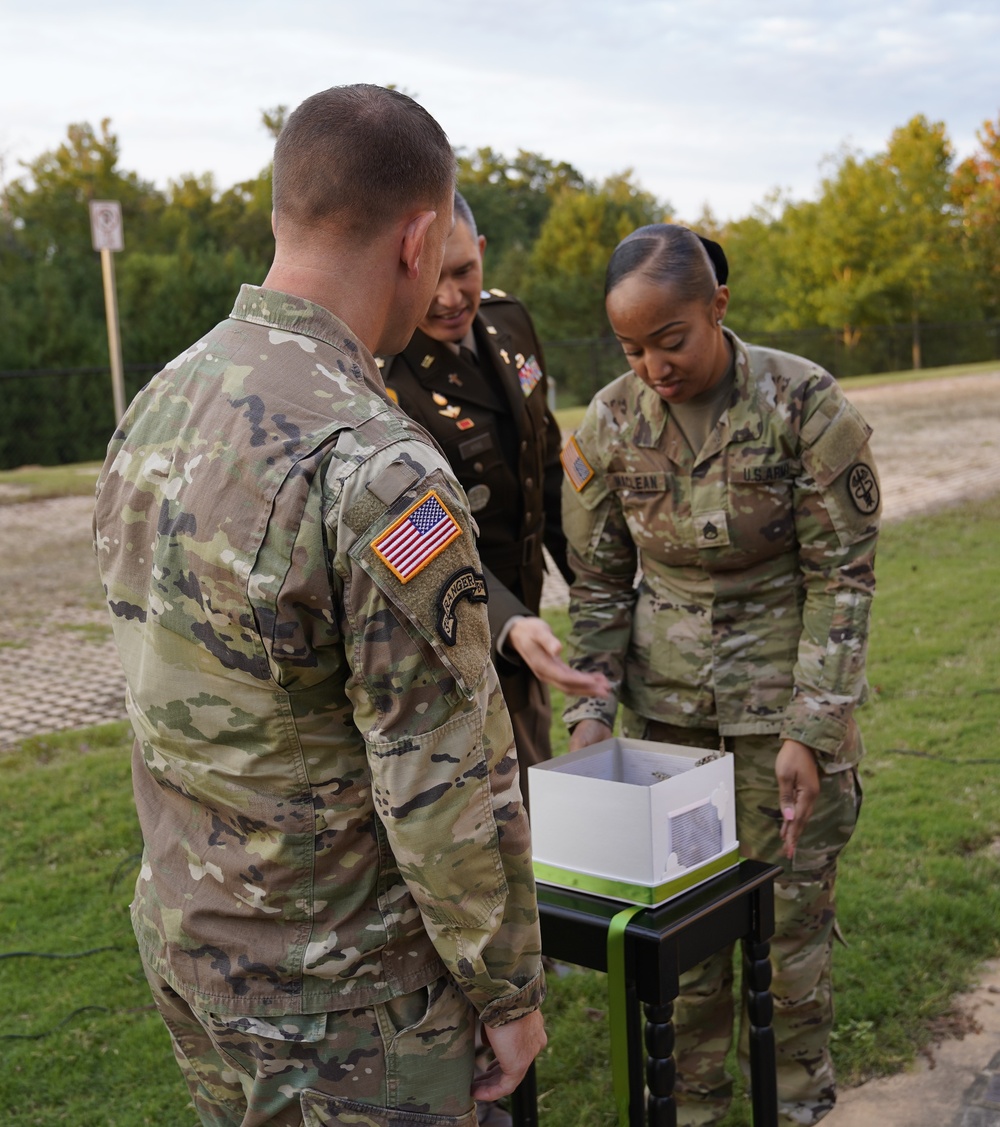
936 442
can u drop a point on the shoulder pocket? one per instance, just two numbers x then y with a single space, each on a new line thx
584 474
831 439
420 553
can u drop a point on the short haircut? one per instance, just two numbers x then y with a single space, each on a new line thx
464 212
358 157
670 255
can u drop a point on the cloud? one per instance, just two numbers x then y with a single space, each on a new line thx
707 102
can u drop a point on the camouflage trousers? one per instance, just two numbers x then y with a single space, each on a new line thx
801 949
403 1063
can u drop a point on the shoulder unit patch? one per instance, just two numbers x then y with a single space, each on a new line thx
863 487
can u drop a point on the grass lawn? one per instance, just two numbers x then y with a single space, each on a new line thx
38 483
919 899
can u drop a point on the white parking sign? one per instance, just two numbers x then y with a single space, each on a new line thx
106 230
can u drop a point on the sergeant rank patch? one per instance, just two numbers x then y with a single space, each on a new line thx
577 467
466 583
863 487
424 531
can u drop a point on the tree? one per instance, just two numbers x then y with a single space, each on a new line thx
879 247
564 283
510 198
975 189
274 119
925 271
186 252
761 268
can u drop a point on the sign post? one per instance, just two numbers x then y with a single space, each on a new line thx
107 235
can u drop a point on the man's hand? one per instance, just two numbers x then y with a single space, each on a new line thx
515 1045
588 732
539 649
797 773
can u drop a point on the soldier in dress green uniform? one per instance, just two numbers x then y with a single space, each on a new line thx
336 876
722 507
473 374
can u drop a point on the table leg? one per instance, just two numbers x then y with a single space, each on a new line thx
524 1100
760 1010
661 1070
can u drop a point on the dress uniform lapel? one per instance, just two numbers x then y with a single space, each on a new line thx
441 371
496 343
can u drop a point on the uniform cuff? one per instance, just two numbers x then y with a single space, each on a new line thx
591 708
833 742
501 642
502 1011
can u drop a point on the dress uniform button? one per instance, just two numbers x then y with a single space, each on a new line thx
478 467
529 483
524 446
528 516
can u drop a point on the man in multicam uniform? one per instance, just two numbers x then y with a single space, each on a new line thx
738 483
337 873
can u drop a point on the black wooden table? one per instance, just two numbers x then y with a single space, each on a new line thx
660 944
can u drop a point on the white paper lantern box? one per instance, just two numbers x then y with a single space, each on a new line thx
633 820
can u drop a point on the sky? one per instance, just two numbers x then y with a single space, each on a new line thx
709 102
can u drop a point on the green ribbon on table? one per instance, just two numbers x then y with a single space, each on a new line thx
618 1009
644 894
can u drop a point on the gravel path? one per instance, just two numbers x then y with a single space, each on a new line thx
936 442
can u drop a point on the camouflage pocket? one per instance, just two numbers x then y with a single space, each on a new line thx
329 1111
306 1028
432 795
832 824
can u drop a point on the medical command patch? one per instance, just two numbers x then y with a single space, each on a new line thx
529 374
420 534
576 465
863 488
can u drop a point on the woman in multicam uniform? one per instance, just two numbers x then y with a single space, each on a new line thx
721 506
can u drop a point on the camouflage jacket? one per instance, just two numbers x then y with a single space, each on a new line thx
754 557
323 768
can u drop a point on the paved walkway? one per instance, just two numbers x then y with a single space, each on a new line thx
956 1084
936 442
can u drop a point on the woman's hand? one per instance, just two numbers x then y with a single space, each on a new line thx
588 732
797 773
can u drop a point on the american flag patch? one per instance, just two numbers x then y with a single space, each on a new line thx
576 465
420 534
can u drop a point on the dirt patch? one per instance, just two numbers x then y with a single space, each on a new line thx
935 442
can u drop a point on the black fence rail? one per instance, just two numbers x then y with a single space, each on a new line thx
54 416
579 368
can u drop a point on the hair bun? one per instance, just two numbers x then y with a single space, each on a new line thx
718 257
